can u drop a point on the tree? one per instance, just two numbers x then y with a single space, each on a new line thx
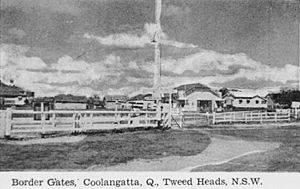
286 97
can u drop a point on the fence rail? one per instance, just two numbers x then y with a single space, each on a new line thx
250 117
201 119
24 121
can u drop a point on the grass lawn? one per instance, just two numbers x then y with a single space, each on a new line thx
103 148
284 158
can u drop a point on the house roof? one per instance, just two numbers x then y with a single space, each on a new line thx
13 91
243 94
63 99
122 98
43 99
70 98
140 97
190 88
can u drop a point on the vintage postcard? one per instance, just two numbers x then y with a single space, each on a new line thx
149 87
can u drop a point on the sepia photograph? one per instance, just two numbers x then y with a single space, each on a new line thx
149 86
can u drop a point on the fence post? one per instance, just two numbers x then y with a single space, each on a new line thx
170 110
159 112
214 118
119 118
180 119
74 120
8 122
82 124
261 117
233 119
42 118
91 119
53 119
129 119
275 115
2 123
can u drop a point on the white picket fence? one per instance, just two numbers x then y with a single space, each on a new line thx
183 119
250 117
22 121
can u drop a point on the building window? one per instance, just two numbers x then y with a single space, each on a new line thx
240 101
263 102
248 101
257 101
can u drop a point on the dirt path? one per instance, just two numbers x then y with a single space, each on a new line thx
221 149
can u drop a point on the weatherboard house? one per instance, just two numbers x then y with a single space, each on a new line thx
198 97
11 95
240 100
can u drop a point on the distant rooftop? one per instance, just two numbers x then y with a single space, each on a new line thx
13 91
122 98
246 94
70 98
140 97
63 98
190 88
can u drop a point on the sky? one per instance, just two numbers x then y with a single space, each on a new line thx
87 47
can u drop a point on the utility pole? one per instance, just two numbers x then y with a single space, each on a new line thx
157 53
157 60
298 70
298 49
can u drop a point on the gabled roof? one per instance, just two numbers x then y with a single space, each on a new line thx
121 98
243 95
190 88
13 91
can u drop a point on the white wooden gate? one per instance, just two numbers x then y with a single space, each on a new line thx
22 121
